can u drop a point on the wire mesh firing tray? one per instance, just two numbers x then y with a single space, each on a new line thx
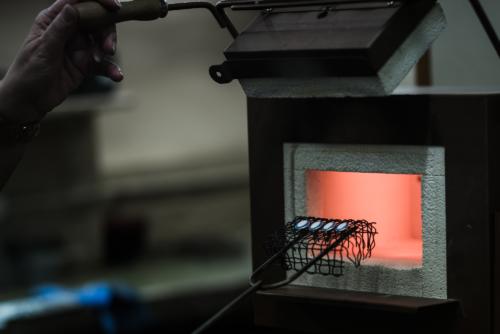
314 235
309 244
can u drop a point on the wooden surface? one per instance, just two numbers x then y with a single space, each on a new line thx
360 41
360 300
314 310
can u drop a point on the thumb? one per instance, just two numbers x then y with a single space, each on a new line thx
60 30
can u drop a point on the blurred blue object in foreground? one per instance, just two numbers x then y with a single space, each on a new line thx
119 307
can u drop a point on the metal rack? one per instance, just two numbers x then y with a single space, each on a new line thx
317 236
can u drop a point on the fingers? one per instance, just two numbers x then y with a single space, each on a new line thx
88 64
88 57
48 15
108 40
87 53
109 69
80 41
66 17
54 10
60 30
83 61
107 37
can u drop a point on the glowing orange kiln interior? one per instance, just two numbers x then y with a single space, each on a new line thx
393 201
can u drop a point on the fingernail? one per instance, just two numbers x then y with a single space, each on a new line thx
121 76
97 57
69 14
114 39
118 3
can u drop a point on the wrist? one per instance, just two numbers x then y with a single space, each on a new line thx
13 134
19 124
14 109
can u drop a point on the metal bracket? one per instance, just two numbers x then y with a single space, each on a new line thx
271 5
218 10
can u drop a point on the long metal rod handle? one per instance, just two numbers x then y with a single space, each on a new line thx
258 285
254 286
220 15
196 5
276 257
207 324
485 21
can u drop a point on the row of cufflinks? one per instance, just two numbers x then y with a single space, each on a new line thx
319 225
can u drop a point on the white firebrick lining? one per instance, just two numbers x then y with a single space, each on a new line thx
430 280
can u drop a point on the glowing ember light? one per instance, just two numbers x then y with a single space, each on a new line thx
394 201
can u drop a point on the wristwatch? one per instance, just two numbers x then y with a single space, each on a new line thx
12 133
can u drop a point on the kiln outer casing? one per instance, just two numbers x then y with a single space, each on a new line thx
383 82
466 123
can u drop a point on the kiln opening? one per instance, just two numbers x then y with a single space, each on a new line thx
394 201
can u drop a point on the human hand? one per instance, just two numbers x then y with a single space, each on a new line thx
54 60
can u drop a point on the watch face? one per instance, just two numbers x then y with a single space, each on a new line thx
29 131
12 133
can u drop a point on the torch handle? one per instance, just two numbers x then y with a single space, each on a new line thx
94 16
